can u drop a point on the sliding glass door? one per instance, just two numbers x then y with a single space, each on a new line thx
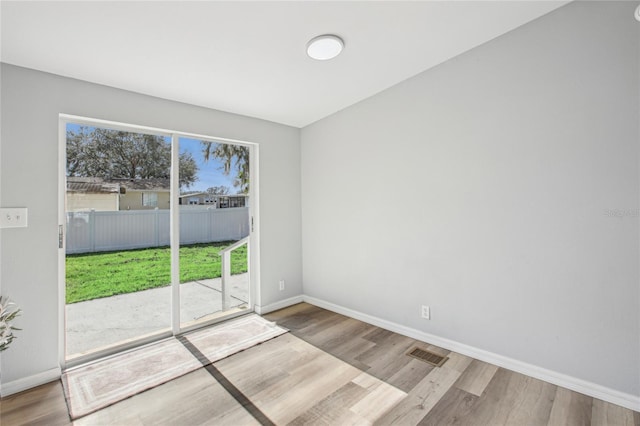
155 235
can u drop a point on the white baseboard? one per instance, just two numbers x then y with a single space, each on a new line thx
25 383
278 305
582 386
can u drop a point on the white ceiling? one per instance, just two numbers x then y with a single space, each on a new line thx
249 57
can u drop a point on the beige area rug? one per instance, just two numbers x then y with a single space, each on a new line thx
217 343
91 387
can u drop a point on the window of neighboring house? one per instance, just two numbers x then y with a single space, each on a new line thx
150 199
237 202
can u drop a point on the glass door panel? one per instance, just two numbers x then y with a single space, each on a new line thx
210 226
117 264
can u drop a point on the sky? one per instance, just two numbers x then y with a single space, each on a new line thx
209 173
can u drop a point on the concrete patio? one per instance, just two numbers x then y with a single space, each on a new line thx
110 320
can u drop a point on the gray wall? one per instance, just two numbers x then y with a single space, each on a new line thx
484 188
31 102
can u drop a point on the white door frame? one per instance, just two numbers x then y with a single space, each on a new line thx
254 233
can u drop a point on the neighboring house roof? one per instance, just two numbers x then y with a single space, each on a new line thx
151 185
195 194
206 194
91 186
94 185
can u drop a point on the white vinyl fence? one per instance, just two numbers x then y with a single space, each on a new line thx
131 229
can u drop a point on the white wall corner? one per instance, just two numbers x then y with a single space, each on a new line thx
278 305
594 390
29 382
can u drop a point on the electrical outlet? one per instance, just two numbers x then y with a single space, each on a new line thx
426 312
13 217
281 285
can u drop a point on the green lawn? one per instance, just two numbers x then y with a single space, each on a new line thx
95 275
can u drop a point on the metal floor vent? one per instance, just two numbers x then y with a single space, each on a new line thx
428 356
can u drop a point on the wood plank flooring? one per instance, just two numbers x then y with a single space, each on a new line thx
334 370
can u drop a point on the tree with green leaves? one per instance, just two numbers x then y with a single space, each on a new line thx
110 154
234 157
218 190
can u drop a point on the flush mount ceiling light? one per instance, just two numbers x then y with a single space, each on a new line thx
325 47
637 14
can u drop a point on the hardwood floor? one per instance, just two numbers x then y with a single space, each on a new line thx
334 370
43 405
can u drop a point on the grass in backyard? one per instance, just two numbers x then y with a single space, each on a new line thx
94 275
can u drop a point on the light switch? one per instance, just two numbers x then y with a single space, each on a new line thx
13 217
